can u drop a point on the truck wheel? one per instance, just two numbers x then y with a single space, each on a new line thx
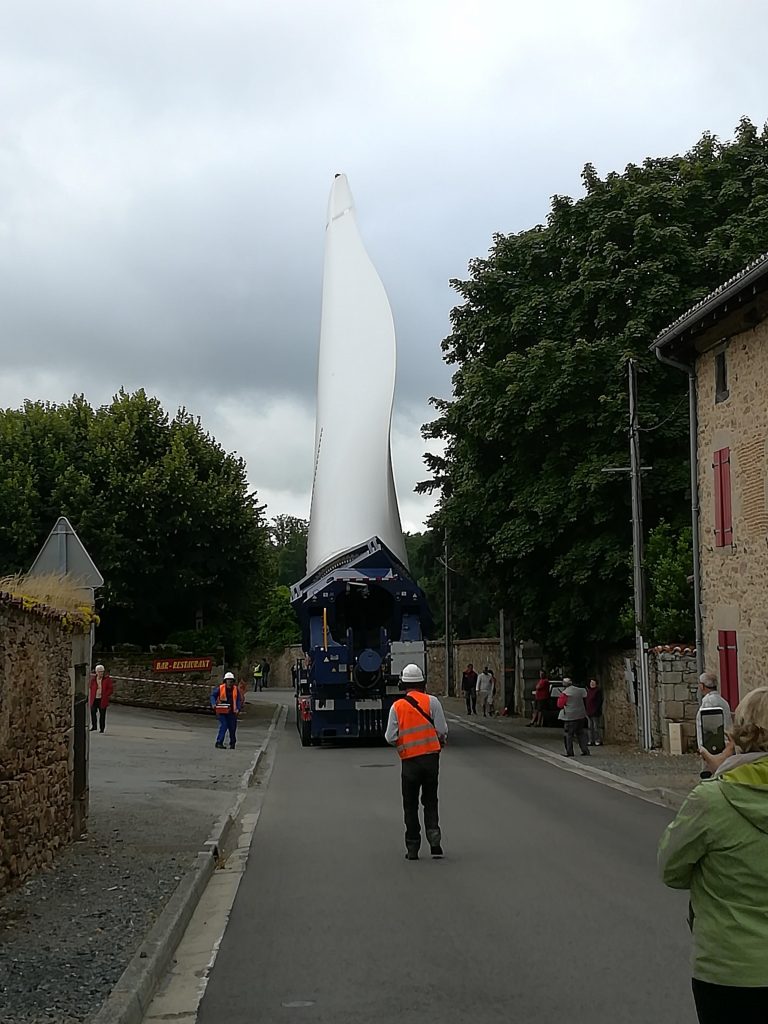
305 733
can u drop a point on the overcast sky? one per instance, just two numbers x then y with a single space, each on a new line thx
165 167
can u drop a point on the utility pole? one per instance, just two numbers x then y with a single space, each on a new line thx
448 650
638 560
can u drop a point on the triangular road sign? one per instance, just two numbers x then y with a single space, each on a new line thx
63 554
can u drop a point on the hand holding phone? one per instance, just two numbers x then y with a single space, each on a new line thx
713 737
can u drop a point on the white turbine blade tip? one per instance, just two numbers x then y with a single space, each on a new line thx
341 198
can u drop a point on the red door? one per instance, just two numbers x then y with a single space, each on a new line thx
729 666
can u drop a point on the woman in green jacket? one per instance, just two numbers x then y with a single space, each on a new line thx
717 847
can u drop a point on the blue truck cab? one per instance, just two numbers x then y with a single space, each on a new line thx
363 618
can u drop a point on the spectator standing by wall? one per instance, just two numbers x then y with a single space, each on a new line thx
99 692
469 688
594 708
265 670
540 699
572 702
710 698
484 688
717 848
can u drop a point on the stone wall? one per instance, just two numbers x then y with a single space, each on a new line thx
136 683
480 652
37 763
280 667
735 578
674 696
619 711
674 685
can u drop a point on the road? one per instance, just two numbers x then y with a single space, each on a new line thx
546 906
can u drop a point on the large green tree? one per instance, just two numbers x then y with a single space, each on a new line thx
539 405
473 609
167 515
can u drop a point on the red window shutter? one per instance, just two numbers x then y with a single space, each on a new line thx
729 666
723 509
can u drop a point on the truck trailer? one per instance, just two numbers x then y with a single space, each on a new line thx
363 619
362 616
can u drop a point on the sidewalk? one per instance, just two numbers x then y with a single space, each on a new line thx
157 787
654 770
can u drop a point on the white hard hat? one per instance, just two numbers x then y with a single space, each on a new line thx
412 674
228 675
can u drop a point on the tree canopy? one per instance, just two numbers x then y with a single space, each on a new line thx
166 514
539 405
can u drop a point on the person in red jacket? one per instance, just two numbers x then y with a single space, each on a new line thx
98 697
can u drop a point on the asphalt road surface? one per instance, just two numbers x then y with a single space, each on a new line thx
546 907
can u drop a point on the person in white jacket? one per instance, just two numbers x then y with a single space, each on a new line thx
710 698
484 689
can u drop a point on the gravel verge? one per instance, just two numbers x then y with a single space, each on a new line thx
157 788
66 936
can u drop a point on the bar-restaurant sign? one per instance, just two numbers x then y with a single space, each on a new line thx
182 664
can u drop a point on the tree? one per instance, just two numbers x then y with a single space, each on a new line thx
473 613
167 515
539 405
278 626
669 563
289 541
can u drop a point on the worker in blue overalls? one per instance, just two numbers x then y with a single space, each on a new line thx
226 701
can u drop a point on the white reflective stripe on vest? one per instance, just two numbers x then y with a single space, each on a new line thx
416 743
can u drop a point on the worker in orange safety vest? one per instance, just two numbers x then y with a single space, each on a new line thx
226 701
418 729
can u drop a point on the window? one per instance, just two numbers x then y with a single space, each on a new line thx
721 377
729 666
723 511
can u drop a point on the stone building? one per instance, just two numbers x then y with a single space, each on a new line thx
44 668
723 344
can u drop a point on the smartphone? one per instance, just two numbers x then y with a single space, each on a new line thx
713 730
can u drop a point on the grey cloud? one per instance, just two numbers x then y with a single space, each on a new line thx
164 170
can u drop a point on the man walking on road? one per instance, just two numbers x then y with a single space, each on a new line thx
469 688
418 729
226 701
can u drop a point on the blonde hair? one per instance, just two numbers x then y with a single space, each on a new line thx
750 722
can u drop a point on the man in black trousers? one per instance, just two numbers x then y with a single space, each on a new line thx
418 729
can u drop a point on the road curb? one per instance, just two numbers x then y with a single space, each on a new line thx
658 795
131 996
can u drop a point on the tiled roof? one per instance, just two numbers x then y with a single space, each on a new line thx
754 270
673 649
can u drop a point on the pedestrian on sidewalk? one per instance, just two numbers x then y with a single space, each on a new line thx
594 708
100 690
226 701
717 848
540 700
484 689
469 688
265 670
494 691
572 702
258 677
418 729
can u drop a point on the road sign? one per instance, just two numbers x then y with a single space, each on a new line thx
63 554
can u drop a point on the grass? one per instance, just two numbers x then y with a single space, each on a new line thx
60 592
